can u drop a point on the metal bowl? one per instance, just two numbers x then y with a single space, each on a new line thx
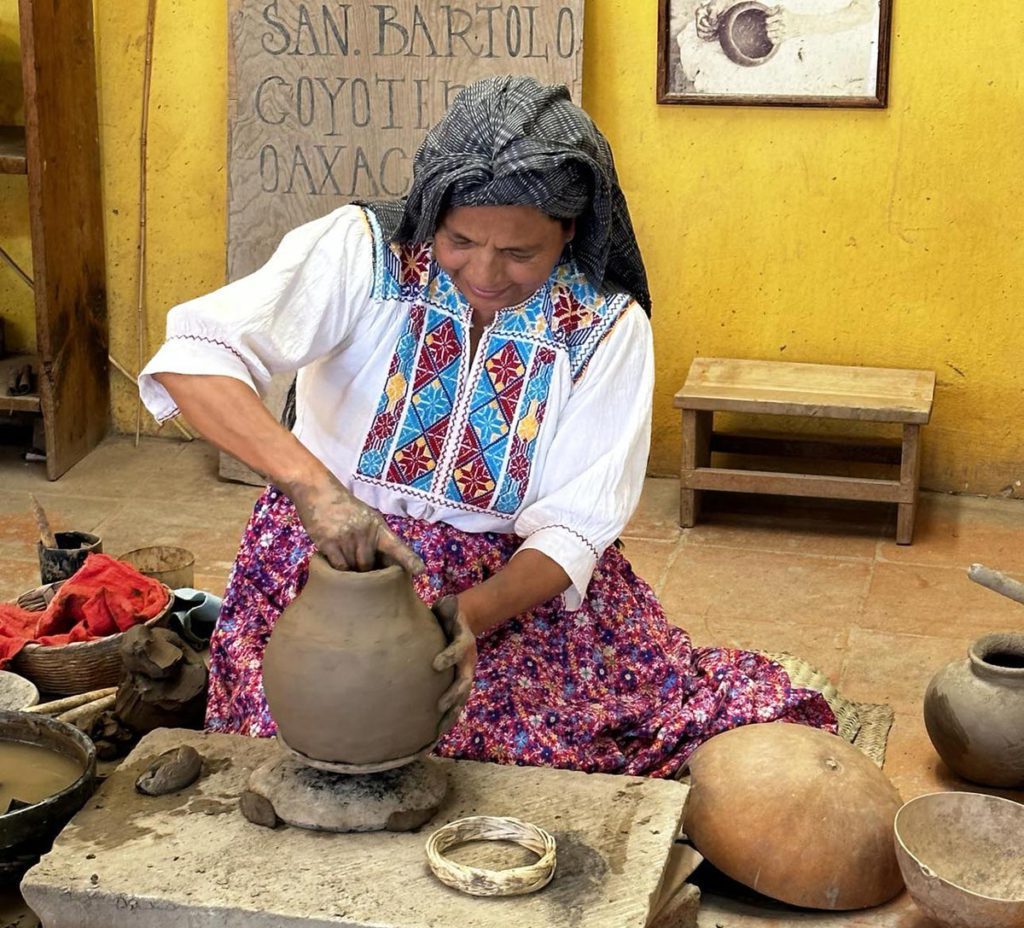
962 858
27 833
743 34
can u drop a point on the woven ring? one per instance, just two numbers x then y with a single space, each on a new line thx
476 881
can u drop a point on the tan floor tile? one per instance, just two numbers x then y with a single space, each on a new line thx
18 529
823 648
657 516
913 765
925 600
766 586
963 530
649 559
211 533
895 668
792 526
16 576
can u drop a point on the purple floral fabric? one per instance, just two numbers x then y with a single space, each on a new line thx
612 687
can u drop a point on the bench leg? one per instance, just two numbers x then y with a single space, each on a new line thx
697 424
910 471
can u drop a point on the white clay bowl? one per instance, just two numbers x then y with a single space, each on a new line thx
962 857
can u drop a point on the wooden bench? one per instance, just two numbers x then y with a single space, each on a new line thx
822 391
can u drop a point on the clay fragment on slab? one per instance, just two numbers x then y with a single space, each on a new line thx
171 771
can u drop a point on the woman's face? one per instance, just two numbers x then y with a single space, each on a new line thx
499 255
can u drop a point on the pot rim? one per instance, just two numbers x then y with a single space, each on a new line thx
928 870
1012 642
364 577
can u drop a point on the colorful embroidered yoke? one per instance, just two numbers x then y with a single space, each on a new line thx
543 434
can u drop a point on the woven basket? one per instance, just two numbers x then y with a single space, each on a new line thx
79 667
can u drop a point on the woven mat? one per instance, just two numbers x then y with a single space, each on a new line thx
865 725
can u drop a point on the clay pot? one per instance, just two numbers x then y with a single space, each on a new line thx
974 711
796 814
962 858
347 672
743 34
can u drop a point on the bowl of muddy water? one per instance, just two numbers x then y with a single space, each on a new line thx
962 858
47 772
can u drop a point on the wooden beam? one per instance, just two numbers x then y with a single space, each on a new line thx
62 142
821 447
755 481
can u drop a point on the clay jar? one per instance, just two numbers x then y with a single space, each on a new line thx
974 711
348 674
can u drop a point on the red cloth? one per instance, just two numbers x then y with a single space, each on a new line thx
104 597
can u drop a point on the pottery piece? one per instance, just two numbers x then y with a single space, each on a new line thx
16 692
743 34
348 671
62 562
963 860
796 814
974 711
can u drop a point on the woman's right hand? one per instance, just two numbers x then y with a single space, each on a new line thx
347 532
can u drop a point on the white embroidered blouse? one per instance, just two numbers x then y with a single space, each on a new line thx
544 433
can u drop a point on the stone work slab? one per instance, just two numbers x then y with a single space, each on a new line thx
128 860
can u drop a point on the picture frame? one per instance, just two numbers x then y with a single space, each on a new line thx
823 53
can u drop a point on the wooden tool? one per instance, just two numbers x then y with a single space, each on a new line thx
45 535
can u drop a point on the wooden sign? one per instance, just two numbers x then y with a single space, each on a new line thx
330 100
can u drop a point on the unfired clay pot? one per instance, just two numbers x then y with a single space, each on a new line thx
974 711
796 814
347 672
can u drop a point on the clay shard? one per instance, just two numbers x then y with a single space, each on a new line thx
171 771
154 652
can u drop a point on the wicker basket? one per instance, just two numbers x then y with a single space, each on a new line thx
79 667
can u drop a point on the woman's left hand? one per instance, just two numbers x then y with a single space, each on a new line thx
460 654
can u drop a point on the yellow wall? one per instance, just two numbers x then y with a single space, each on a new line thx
888 237
16 302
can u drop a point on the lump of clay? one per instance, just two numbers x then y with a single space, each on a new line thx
796 814
173 770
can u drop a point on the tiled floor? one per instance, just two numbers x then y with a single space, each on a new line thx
826 582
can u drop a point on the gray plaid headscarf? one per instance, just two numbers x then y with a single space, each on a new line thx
511 141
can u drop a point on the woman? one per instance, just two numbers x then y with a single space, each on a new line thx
475 372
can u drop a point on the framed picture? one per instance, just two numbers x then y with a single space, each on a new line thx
781 53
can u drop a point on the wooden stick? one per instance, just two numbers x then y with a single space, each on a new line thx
140 320
16 268
997 581
81 712
45 535
71 702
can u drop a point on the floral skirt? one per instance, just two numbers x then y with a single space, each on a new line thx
611 687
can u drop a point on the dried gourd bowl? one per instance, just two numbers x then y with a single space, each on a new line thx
962 858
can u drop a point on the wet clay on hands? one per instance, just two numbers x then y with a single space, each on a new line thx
460 654
347 532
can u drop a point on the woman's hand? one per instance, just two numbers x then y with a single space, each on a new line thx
344 529
706 22
460 654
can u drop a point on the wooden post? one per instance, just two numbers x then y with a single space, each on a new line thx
910 470
697 428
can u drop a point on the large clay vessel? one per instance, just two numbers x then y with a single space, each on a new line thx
796 814
974 711
347 672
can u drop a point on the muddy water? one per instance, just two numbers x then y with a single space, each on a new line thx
31 773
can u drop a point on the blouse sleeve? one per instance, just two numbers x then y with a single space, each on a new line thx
595 467
298 307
